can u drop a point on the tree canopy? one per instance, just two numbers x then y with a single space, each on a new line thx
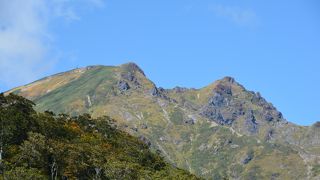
48 146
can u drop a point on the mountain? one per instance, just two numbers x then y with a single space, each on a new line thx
219 131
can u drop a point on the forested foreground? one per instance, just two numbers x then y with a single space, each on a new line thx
48 146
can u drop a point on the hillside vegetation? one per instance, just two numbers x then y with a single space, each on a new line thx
48 146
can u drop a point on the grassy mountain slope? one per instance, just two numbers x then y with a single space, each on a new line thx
219 131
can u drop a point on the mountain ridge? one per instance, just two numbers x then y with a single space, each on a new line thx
186 123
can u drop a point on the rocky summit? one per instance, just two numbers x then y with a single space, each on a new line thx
221 131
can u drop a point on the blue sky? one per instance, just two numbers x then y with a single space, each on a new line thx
269 46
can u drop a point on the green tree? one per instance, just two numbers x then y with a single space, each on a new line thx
49 146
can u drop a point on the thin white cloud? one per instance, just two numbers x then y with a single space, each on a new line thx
25 38
63 10
240 16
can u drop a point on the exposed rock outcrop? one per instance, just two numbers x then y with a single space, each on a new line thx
132 67
317 124
248 157
217 108
145 140
189 121
179 89
161 93
269 135
154 91
123 86
251 123
129 76
144 126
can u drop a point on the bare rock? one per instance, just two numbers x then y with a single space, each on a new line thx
217 100
129 76
144 126
154 91
248 157
145 140
180 89
269 135
189 121
123 86
251 123
317 124
132 67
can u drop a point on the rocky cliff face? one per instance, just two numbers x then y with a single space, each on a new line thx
219 131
